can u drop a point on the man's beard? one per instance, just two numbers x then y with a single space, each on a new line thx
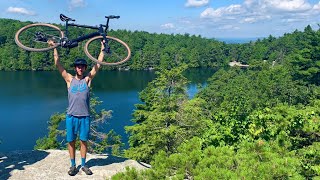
79 74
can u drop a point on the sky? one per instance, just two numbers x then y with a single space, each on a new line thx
208 18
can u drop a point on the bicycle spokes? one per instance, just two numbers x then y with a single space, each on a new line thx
37 37
114 51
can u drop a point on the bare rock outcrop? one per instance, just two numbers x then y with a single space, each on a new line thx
54 164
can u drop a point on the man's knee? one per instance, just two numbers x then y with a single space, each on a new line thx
72 143
83 142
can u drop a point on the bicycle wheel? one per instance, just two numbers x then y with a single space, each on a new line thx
34 37
119 50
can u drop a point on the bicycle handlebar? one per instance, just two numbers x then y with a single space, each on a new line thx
112 17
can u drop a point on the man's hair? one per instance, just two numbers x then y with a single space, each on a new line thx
80 61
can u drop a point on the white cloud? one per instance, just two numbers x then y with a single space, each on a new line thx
288 5
277 6
249 20
196 3
291 20
167 26
18 10
229 27
252 11
185 21
263 16
233 9
316 7
76 4
255 18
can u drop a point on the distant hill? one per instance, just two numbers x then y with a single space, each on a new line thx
238 40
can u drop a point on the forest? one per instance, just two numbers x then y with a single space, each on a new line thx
259 122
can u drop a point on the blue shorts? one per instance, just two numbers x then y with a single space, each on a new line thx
75 124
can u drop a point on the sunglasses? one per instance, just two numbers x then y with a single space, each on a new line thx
80 66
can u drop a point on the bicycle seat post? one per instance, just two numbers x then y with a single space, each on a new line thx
66 19
107 25
66 31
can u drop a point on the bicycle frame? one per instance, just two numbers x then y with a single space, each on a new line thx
81 38
102 31
35 38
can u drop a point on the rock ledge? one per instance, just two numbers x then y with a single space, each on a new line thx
54 164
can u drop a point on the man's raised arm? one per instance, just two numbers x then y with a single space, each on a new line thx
66 76
97 66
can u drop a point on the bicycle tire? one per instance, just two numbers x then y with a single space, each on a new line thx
18 35
123 47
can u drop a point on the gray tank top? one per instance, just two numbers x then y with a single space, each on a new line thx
79 98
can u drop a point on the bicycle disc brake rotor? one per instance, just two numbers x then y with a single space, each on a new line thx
40 37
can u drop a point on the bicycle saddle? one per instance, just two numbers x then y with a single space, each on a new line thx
65 18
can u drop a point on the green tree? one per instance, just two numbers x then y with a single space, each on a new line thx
158 126
99 141
251 160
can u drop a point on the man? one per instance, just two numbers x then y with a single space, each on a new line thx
78 113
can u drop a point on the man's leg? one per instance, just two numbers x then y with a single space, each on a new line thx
84 136
71 136
72 151
83 152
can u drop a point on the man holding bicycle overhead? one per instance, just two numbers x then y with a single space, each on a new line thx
78 113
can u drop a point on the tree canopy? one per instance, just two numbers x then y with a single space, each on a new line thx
259 122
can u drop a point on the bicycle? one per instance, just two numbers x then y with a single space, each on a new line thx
34 37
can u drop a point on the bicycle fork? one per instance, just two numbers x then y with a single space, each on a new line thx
106 46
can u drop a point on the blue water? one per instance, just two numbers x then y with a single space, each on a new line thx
28 99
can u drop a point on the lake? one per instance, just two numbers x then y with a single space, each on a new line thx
28 99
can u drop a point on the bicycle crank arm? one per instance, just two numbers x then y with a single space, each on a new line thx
69 44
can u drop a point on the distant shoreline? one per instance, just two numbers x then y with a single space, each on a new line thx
238 40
